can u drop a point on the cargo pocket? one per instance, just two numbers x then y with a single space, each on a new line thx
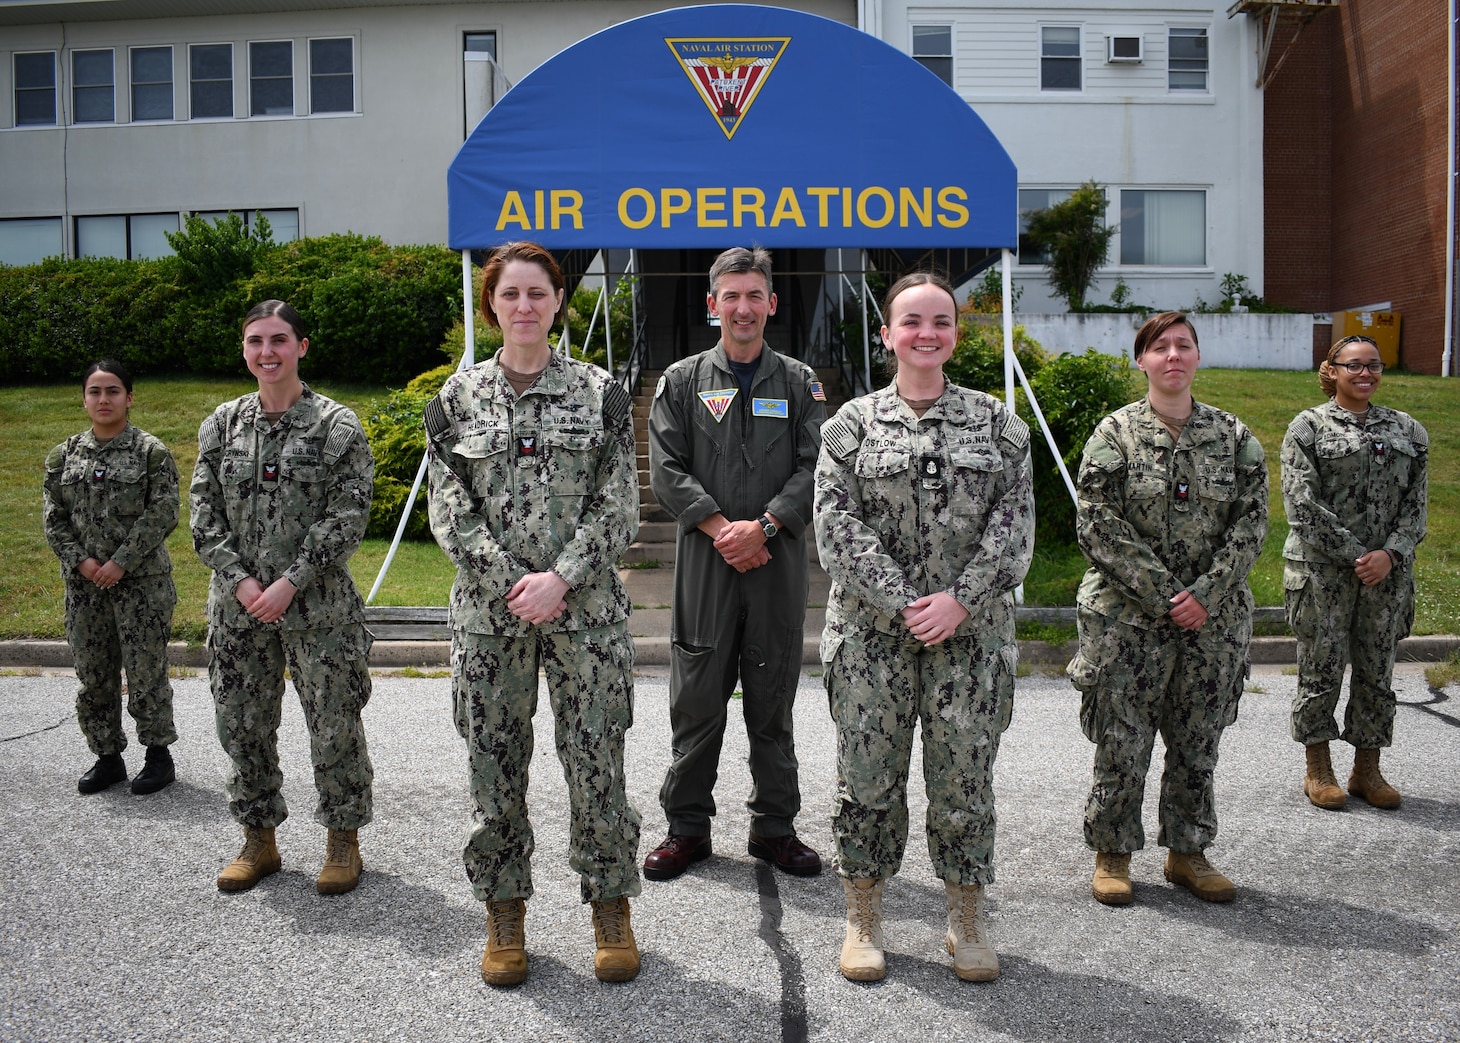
1298 601
1084 674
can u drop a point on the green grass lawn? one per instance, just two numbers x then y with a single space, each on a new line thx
33 419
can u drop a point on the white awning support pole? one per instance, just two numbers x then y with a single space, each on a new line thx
866 329
1007 277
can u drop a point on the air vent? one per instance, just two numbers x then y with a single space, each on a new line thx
1123 50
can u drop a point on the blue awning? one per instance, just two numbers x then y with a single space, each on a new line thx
705 127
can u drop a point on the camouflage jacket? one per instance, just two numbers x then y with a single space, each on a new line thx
1155 519
1354 484
289 501
117 501
545 482
908 506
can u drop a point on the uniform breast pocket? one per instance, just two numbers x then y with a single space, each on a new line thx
1404 459
885 479
128 489
1337 446
1216 482
975 470
304 483
487 463
571 466
1144 486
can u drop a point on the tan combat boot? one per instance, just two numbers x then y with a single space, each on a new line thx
258 859
342 863
1366 782
1193 872
1319 784
862 958
617 958
968 942
1111 885
505 961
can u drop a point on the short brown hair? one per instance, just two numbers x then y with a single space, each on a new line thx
738 260
1159 324
1327 378
520 250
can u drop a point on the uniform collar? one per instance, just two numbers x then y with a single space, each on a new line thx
769 362
553 381
253 410
890 408
1200 427
122 440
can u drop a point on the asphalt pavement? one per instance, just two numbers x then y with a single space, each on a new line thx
1346 925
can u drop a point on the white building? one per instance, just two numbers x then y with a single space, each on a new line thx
119 117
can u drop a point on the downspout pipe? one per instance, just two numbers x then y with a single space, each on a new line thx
1447 363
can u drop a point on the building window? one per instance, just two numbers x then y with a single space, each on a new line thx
1163 228
30 240
332 75
283 224
932 45
1059 58
1186 60
151 83
481 76
271 78
35 89
1030 200
210 81
125 236
93 87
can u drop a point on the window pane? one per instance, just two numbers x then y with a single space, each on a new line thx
331 76
94 105
1061 42
148 238
481 43
211 89
152 83
283 224
932 45
35 108
29 240
35 89
1163 228
939 67
101 236
35 70
271 79
93 97
1187 60
92 68
1031 199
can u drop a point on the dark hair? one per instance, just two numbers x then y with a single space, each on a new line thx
911 279
736 261
111 366
1159 324
1327 378
521 250
284 310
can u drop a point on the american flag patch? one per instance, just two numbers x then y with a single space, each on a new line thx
817 391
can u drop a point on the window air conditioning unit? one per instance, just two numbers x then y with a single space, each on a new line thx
1123 50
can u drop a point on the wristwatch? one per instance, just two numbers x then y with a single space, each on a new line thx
767 526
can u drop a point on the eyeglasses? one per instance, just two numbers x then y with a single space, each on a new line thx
1355 368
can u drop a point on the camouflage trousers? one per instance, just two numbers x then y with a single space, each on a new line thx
1339 621
494 693
1135 683
880 687
123 628
330 670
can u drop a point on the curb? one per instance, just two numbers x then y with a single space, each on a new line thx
654 651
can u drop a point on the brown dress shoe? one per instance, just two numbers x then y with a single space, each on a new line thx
673 857
787 854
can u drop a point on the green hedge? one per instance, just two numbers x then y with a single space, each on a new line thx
373 312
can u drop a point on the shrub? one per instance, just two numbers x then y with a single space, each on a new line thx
398 440
211 254
1077 238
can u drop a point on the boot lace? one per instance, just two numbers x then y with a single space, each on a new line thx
337 848
253 845
608 919
863 917
1199 865
967 916
504 925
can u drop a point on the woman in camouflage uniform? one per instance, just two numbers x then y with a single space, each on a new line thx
925 521
111 498
280 497
1354 486
1172 514
534 496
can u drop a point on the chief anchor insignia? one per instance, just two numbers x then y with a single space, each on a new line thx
728 72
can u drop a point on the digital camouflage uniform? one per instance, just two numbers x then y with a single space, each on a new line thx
288 501
907 507
545 482
116 501
1350 485
1156 519
758 457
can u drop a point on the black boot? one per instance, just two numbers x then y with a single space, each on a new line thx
156 773
104 774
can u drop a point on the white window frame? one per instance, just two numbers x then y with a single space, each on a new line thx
1126 236
254 78
352 75
231 81
1188 32
109 88
1078 58
16 90
480 78
923 58
133 83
